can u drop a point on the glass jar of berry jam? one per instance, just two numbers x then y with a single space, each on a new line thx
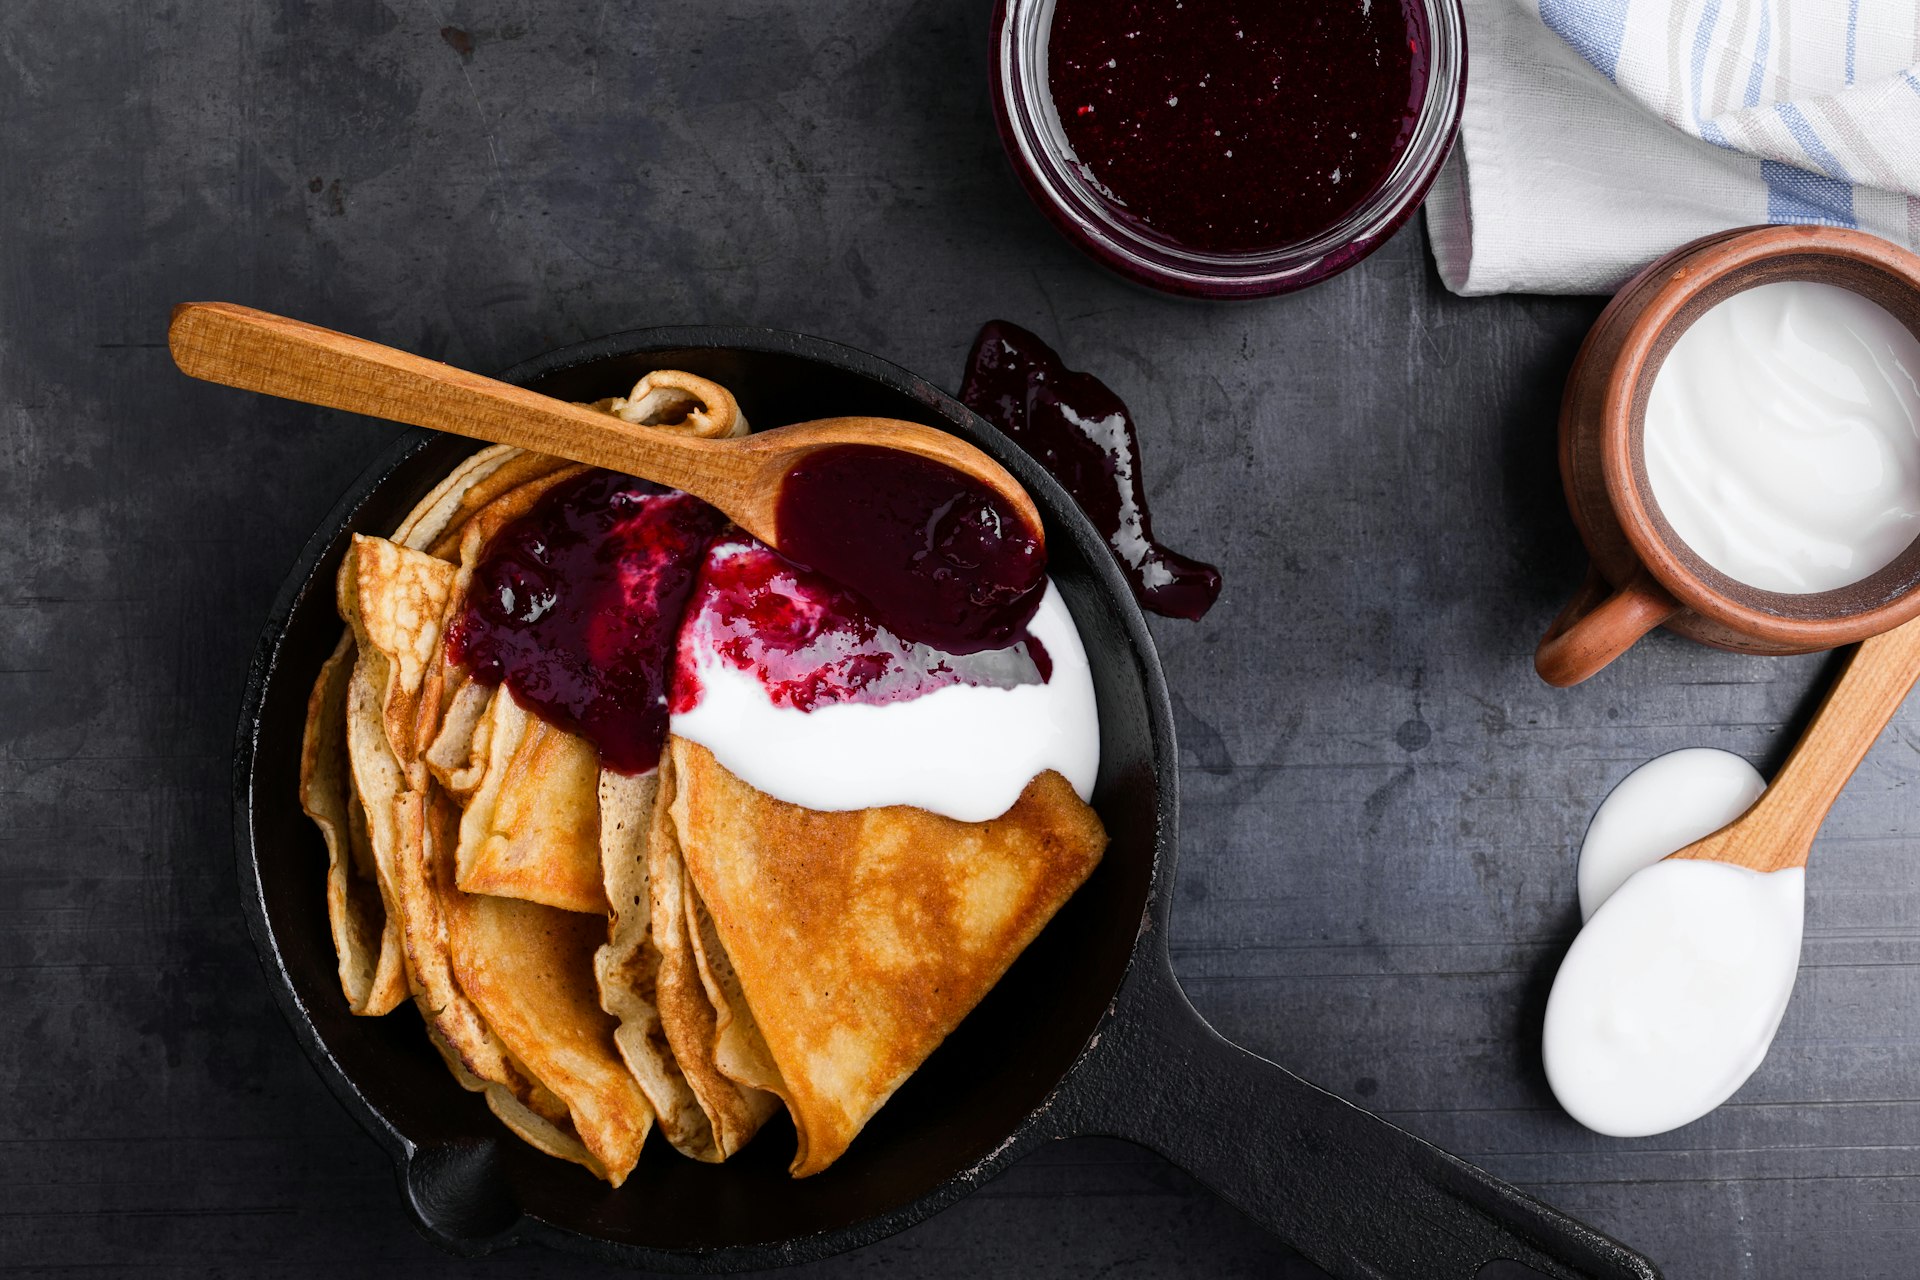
1228 148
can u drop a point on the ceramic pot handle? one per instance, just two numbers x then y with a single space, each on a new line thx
1358 1197
1599 624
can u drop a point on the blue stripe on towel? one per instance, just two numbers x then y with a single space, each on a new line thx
1809 141
1853 28
1595 29
1762 46
1702 37
1794 195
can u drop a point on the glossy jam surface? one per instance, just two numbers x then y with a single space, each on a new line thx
810 643
1236 126
1078 429
576 607
937 557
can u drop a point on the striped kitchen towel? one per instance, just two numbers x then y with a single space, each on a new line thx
1598 134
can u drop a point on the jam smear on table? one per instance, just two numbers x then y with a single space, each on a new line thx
936 556
576 607
1235 126
1079 430
811 643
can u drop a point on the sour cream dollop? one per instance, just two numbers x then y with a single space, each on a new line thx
1670 997
1660 808
1782 436
798 692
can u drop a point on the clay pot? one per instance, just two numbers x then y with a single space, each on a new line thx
1642 575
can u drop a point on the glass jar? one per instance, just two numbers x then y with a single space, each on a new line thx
1036 144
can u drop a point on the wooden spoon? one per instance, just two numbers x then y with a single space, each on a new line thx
259 351
1778 831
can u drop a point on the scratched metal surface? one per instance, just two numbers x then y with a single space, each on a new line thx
1382 802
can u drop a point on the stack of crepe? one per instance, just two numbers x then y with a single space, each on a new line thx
598 953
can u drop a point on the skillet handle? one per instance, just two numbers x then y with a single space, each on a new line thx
1359 1197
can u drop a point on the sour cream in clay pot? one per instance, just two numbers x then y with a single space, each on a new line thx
1782 437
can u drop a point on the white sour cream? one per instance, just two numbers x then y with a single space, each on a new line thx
964 751
1669 998
1783 437
1661 807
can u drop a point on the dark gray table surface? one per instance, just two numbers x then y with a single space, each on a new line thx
1382 802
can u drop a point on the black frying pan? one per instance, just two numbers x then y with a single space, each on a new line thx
1088 1034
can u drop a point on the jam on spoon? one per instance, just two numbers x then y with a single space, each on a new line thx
811 643
1078 429
938 557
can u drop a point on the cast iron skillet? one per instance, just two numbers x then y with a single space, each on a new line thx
1088 1034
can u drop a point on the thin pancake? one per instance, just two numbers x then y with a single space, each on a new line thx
447 682
528 969
397 830
555 1137
393 598
628 966
513 470
688 1014
448 1013
685 403
861 939
336 807
531 789
366 937
532 825
458 757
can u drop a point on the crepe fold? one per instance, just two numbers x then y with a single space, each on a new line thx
844 947
366 937
505 986
703 1015
627 967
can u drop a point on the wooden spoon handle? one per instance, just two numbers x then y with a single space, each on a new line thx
1858 706
258 351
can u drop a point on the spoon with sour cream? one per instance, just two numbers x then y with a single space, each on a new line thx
1670 996
939 539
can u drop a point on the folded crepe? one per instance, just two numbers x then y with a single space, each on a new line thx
366 935
366 938
703 1019
392 598
506 987
837 950
528 971
530 789
531 828
627 967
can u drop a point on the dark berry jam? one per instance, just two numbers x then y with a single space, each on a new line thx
576 608
1080 431
811 643
936 556
1235 126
